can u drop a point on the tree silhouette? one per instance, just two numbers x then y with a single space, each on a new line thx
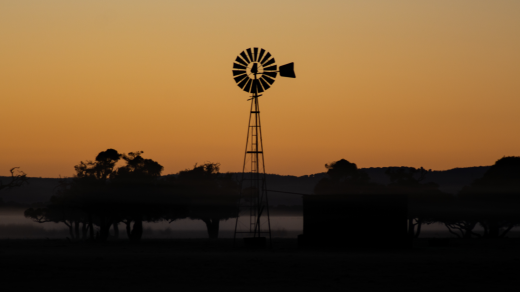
213 196
91 186
460 222
61 210
99 194
84 199
496 197
137 193
17 179
424 199
345 178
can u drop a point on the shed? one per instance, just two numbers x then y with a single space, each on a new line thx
353 221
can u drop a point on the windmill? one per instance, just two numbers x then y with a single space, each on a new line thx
254 71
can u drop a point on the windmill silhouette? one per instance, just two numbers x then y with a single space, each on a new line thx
255 71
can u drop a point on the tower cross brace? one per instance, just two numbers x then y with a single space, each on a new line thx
254 201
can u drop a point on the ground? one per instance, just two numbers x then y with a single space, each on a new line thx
204 265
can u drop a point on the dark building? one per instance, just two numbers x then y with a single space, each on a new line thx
354 221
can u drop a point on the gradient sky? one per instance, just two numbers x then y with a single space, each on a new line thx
380 83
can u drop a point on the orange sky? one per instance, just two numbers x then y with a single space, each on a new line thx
379 83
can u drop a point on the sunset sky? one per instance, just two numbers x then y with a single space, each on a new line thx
380 83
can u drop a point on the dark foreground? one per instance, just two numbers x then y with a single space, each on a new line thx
203 265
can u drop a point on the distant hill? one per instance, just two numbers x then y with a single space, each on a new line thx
450 181
38 190
288 183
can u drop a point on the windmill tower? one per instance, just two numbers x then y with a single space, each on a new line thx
255 70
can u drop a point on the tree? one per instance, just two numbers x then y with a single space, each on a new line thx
103 195
17 179
61 211
345 178
100 169
84 199
213 196
424 199
496 197
91 187
460 224
137 193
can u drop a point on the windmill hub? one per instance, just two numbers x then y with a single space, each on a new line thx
255 70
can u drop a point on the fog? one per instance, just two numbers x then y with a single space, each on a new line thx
14 225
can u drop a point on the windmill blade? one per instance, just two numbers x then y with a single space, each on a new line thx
247 88
239 60
287 70
240 78
259 86
244 56
253 86
250 54
266 57
255 54
268 79
238 66
271 68
268 62
238 72
262 51
264 83
243 83
270 74
256 87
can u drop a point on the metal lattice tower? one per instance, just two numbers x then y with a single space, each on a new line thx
253 181
255 71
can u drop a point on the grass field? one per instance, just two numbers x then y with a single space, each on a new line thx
204 265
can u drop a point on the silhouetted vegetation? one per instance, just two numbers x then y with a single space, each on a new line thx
491 202
101 195
213 196
423 198
344 177
127 190
17 179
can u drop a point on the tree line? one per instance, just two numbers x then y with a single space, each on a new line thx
491 202
100 196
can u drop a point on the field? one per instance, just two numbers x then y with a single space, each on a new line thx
204 265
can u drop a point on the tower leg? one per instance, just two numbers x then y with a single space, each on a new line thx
253 184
